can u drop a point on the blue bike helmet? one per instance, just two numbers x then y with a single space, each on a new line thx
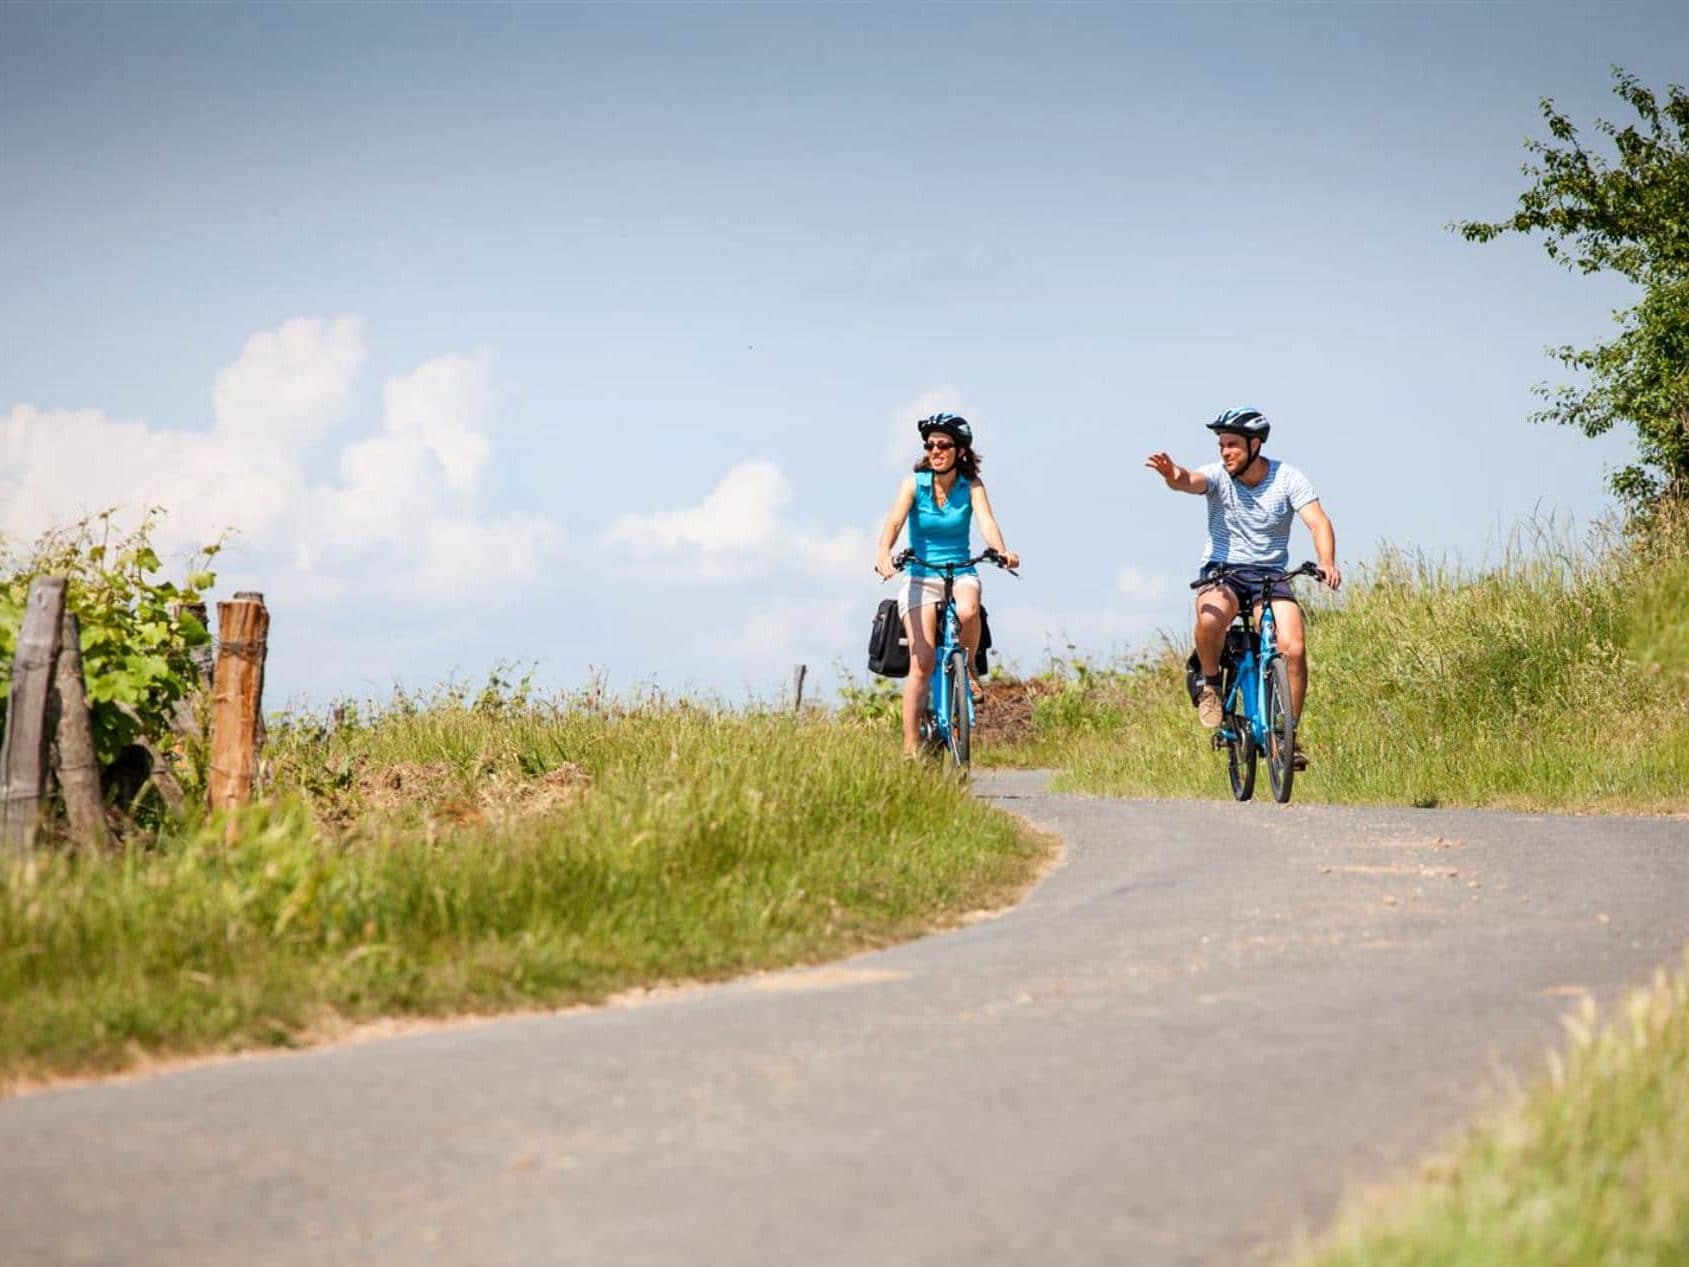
1250 423
953 425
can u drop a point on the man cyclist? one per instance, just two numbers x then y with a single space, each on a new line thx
1251 501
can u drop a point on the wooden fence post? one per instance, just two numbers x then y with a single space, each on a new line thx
798 675
78 768
237 688
23 756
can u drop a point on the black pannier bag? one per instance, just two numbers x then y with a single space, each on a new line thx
982 666
888 647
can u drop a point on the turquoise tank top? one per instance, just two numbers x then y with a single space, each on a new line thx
941 535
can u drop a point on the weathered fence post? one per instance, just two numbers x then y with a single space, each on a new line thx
23 756
203 657
78 768
261 731
188 719
237 688
798 675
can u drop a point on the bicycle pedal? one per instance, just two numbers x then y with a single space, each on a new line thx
1218 741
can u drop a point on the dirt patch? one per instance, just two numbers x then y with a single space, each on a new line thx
510 799
439 793
1006 715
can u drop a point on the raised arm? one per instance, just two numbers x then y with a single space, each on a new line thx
988 525
1180 479
1325 541
900 506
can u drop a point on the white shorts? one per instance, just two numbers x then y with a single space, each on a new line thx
923 591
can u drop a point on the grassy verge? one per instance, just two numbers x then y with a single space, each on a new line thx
1555 681
1586 1169
453 858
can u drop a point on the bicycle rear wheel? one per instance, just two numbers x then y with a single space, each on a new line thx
961 717
1241 756
1281 731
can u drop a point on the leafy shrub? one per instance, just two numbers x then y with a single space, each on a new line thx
138 639
870 701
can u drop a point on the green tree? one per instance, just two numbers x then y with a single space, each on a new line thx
1627 215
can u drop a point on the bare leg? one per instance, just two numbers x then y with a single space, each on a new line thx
967 612
1292 644
920 625
1216 607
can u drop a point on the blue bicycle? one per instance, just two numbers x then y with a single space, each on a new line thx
948 721
1255 688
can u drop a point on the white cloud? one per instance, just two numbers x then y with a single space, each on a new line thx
400 518
1139 585
288 386
740 515
439 406
740 527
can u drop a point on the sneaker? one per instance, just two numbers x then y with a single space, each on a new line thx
1208 708
1299 759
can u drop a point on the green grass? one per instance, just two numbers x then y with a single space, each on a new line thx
1558 680
1587 1170
686 843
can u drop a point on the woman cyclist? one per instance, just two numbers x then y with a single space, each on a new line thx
939 501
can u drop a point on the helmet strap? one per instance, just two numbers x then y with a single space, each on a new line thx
1254 456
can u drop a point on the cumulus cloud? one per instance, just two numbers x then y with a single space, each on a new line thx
740 515
740 527
401 516
288 386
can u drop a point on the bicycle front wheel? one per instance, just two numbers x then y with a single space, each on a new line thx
1281 731
961 715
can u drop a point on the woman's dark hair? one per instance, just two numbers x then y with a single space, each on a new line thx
967 462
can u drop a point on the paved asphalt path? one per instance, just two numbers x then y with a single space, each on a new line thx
1187 1043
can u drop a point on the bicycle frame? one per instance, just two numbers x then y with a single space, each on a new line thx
1256 706
1248 695
947 640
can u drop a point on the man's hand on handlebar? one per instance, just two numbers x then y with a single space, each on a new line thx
1331 577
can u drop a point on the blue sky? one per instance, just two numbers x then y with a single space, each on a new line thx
593 335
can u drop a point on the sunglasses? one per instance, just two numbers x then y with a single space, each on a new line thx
940 445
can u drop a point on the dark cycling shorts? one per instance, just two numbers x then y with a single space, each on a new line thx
1244 582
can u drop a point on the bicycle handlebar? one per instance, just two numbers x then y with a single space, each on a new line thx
908 556
1222 570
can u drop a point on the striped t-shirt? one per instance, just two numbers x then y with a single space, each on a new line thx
1252 525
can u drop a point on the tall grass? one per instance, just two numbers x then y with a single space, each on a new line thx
682 843
1585 1169
1525 684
